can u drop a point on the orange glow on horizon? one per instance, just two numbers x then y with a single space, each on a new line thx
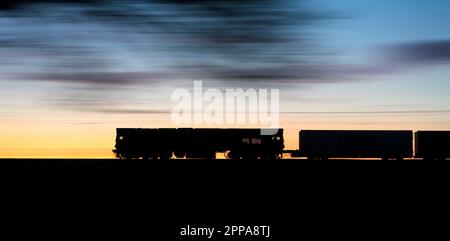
71 135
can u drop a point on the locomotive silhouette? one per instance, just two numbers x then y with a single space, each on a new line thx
165 143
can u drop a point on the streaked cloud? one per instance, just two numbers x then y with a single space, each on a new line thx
398 58
104 46
196 39
419 53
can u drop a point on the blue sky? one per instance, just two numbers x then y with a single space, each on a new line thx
368 26
382 22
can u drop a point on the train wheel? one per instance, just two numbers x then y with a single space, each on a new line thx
126 157
180 154
165 155
271 156
233 155
228 155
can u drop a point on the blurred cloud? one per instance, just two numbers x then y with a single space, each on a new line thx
198 39
101 78
397 58
419 53
107 45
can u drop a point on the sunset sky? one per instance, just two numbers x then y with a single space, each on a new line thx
72 72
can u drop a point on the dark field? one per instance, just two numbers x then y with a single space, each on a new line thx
94 167
130 199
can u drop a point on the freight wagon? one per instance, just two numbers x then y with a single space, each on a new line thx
432 144
323 144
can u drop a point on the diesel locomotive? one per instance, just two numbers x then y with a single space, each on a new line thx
165 143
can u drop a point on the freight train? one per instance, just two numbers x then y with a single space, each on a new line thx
164 143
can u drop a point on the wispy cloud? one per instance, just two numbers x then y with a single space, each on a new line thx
104 45
106 78
396 58
419 53
195 39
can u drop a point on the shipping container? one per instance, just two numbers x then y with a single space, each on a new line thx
432 144
355 144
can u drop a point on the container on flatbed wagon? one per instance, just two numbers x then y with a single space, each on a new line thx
325 144
432 144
